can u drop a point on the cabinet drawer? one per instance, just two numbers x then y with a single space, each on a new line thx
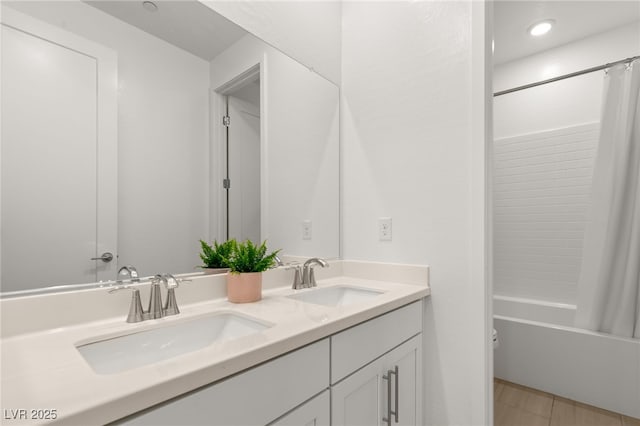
254 397
359 345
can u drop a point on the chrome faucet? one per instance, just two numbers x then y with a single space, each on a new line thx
156 309
308 276
278 261
128 272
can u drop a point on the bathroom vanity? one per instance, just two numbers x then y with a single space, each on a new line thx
302 384
353 343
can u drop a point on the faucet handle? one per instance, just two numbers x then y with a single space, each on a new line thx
297 278
292 265
136 313
155 298
168 279
171 304
312 277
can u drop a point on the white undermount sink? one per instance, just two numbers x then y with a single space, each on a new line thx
335 296
118 354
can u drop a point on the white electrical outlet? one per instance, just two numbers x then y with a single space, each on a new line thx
384 228
306 229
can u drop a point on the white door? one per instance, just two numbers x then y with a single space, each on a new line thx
58 156
244 169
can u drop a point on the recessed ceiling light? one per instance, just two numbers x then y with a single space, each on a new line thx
149 6
541 28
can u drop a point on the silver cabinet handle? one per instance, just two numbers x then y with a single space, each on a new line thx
387 377
396 372
106 257
390 412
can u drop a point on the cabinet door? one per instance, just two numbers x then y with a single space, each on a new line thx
315 412
365 397
406 386
357 400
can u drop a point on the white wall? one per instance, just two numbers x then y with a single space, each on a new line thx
162 142
566 102
308 31
546 139
410 153
300 147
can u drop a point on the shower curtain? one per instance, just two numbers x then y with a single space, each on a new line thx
609 284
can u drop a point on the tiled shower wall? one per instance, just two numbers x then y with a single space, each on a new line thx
541 185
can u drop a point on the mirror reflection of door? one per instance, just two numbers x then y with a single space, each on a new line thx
52 109
243 162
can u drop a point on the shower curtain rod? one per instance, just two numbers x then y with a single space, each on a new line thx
562 77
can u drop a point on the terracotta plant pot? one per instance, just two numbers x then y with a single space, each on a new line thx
245 287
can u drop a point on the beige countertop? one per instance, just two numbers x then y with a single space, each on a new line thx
43 370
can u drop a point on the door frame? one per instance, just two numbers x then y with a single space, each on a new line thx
218 153
243 167
107 127
480 381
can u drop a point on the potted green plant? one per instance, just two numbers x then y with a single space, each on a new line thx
215 259
247 263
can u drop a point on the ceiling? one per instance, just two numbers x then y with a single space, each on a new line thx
574 20
195 28
188 24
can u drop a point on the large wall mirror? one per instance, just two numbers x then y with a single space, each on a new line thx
131 130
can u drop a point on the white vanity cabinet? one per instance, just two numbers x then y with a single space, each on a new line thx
348 378
407 386
315 412
255 397
389 383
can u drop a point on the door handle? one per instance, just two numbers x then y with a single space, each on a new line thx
106 257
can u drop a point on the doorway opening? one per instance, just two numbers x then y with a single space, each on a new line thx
240 158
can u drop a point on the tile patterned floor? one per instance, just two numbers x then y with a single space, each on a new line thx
517 405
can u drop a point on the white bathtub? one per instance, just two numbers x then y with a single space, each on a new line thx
541 349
